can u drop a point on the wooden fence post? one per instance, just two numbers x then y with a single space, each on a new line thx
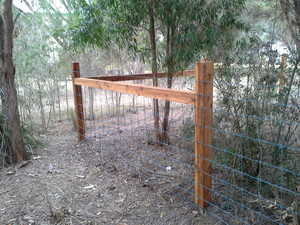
77 90
203 134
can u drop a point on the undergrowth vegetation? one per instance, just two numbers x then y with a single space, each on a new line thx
29 137
256 125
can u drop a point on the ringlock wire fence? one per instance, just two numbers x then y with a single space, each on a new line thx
242 169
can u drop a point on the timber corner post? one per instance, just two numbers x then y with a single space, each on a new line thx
203 132
79 113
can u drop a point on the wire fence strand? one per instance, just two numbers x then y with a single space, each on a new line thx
255 177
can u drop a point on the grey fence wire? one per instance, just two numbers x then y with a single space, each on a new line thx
255 166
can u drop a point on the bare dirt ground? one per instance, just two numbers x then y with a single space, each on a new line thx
89 184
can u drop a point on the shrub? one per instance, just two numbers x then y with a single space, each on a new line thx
29 140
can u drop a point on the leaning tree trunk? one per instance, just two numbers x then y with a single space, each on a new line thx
15 143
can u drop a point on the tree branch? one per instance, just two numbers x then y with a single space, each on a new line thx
16 18
28 5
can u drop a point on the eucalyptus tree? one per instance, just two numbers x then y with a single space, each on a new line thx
42 49
35 57
191 29
15 148
177 33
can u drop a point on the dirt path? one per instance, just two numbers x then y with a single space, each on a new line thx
88 185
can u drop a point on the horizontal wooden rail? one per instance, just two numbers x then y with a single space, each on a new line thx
142 76
186 97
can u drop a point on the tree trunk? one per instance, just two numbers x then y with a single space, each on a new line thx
58 97
52 98
154 70
9 98
165 123
41 105
170 72
67 98
91 114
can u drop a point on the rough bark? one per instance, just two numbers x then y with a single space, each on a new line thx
9 93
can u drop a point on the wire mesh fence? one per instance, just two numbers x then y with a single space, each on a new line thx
253 167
